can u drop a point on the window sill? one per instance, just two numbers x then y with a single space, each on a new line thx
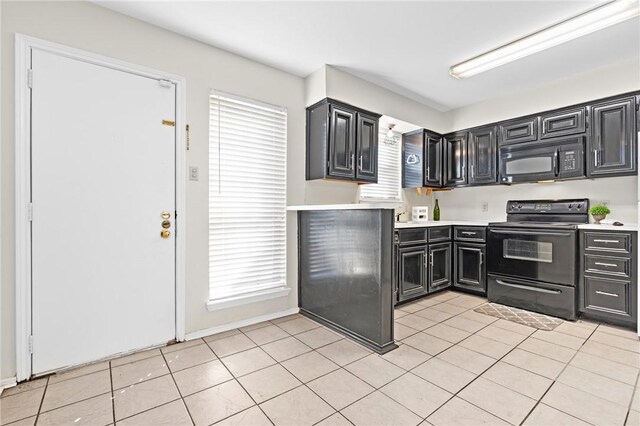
245 299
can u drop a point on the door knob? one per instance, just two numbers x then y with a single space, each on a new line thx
165 233
166 224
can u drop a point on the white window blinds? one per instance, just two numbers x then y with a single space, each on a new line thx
247 196
389 163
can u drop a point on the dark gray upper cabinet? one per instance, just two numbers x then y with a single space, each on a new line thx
612 145
367 149
421 159
563 123
520 130
455 155
433 163
342 131
482 155
341 142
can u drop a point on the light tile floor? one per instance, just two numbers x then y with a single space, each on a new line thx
453 367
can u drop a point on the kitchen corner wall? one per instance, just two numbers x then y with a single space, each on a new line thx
621 192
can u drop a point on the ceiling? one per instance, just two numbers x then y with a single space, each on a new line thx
406 47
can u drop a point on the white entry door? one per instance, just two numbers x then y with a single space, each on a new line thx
103 182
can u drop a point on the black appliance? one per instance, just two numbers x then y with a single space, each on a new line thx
533 256
536 161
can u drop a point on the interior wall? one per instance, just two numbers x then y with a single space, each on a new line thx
622 192
92 28
466 203
594 84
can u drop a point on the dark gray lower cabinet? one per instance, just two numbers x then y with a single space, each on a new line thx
439 266
608 282
412 278
422 261
470 272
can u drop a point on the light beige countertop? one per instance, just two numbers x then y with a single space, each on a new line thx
609 227
402 225
362 206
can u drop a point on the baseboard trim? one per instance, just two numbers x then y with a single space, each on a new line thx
7 383
243 323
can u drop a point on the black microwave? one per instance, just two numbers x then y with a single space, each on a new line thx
555 159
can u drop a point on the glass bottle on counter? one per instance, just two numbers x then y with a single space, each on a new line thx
436 211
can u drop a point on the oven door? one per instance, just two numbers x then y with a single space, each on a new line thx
534 254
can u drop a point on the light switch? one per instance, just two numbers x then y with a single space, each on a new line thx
193 173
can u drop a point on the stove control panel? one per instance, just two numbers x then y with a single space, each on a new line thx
577 206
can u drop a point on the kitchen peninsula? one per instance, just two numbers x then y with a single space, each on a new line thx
346 270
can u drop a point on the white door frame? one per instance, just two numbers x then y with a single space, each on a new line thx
23 45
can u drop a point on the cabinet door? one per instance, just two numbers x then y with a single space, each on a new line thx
411 272
455 147
439 266
563 123
613 140
470 271
520 130
367 148
412 160
482 155
433 160
342 137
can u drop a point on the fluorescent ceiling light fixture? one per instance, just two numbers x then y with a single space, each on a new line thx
604 16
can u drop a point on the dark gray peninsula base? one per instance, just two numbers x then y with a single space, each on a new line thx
345 272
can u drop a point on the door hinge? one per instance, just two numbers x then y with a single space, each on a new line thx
30 78
164 83
30 212
30 344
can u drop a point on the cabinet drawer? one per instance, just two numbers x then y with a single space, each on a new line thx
441 233
608 265
563 123
609 242
412 236
606 296
470 233
522 130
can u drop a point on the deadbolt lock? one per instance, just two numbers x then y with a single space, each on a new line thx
166 224
165 215
165 233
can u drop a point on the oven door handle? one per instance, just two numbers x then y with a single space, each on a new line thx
528 232
525 287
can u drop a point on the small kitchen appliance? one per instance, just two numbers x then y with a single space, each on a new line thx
420 214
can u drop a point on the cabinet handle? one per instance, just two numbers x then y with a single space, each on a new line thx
427 172
604 293
360 163
606 241
473 171
481 258
351 161
595 158
613 265
431 259
468 233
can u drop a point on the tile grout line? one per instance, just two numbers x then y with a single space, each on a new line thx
166 363
113 398
44 393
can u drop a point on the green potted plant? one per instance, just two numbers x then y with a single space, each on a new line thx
599 212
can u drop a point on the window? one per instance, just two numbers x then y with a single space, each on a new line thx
389 163
247 200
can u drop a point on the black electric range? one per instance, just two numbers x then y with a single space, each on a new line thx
533 256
